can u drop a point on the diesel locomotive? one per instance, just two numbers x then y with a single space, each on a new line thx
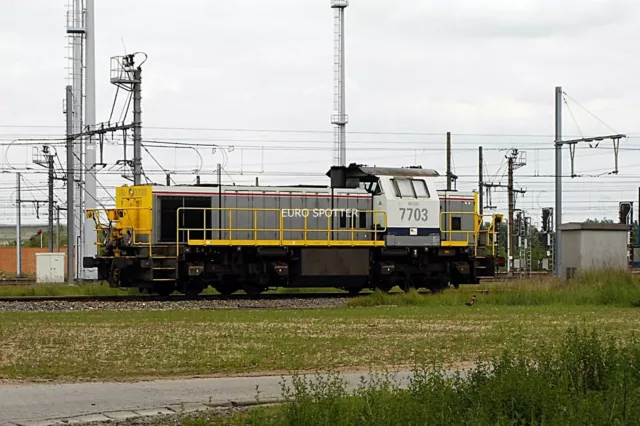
372 227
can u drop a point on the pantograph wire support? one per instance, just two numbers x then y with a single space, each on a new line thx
573 143
590 141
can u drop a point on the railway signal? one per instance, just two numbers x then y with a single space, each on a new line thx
625 212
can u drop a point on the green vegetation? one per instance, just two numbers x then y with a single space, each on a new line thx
63 290
521 367
613 288
609 288
33 241
583 380
538 251
69 346
385 330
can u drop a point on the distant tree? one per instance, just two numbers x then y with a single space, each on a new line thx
634 226
603 220
538 252
34 241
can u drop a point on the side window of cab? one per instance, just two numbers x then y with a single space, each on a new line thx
373 188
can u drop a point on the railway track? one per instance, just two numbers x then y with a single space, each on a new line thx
499 276
176 298
29 281
207 297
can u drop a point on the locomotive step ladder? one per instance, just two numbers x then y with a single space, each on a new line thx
481 255
163 265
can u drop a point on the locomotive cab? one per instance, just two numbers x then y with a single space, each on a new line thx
411 204
408 196
432 238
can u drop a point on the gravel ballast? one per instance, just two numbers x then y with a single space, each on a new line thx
93 306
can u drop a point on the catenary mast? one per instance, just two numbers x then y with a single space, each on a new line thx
339 118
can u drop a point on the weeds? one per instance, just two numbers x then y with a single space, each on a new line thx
63 290
610 288
584 380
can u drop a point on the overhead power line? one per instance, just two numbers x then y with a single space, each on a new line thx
329 132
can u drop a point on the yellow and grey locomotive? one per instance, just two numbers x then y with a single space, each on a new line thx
372 227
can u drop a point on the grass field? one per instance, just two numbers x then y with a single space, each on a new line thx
376 330
543 367
119 345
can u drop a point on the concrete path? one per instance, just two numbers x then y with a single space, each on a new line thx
81 403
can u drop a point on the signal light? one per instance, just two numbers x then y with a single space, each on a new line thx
546 215
625 209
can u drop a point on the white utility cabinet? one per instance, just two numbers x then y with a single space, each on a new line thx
50 268
592 246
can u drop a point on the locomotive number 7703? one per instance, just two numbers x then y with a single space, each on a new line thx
414 214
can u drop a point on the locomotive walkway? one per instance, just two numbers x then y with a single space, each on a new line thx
54 404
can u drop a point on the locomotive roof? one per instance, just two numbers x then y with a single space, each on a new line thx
245 186
365 171
214 188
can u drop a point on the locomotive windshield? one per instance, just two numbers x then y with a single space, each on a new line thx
411 188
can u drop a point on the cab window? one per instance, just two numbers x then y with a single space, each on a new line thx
371 187
420 187
411 188
404 188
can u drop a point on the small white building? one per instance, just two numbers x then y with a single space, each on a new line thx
50 268
592 246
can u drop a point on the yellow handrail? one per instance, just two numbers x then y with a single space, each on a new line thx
254 229
449 231
469 235
491 232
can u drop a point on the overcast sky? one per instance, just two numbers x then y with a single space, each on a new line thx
418 66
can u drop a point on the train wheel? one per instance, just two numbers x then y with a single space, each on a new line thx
164 290
354 291
115 276
253 289
384 286
409 285
436 289
227 285
193 288
225 290
441 283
